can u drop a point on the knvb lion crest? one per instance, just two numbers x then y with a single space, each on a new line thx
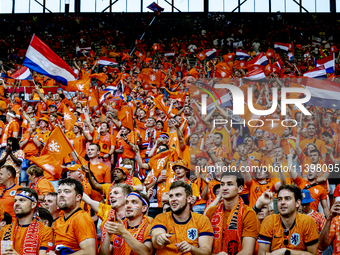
67 116
54 147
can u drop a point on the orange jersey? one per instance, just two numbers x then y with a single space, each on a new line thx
71 232
43 186
197 225
7 198
105 142
334 234
317 192
256 190
100 171
10 128
319 144
45 242
79 144
303 232
31 148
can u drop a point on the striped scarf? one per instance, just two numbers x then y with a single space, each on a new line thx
119 245
228 239
110 217
32 237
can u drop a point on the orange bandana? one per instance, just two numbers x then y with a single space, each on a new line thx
228 241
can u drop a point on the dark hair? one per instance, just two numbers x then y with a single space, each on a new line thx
31 191
78 187
97 145
159 121
62 96
45 214
107 124
327 134
292 188
15 143
315 150
239 177
10 169
7 218
219 134
309 124
187 188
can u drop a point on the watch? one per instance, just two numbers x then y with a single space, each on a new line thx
287 252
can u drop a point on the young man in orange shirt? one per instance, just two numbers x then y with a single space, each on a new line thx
133 233
50 203
8 188
235 224
181 230
26 234
12 128
75 228
288 232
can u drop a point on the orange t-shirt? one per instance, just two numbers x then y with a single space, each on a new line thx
79 144
180 230
319 144
334 234
127 151
303 232
256 190
7 199
249 221
101 172
71 232
43 187
45 242
31 148
10 128
105 142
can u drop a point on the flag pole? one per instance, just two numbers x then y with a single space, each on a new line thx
142 35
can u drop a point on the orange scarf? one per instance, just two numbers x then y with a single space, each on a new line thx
111 217
228 241
119 247
32 237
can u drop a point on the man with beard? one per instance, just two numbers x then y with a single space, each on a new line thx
235 224
26 235
111 212
133 233
288 232
50 203
75 228
317 192
8 188
180 230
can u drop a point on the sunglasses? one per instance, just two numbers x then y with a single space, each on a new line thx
286 233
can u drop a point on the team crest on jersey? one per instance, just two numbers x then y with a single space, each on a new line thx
295 239
12 193
192 234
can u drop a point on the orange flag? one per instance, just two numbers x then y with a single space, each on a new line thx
161 105
160 160
140 54
125 115
220 73
69 118
102 77
201 55
156 47
79 85
193 72
57 145
49 164
228 57
153 78
274 127
94 98
241 64
125 56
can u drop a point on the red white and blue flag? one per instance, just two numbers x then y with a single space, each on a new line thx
155 7
241 55
42 59
256 74
328 63
210 53
318 73
325 93
281 46
103 61
260 59
22 74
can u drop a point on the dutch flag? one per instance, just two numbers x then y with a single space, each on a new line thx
103 61
260 59
328 63
42 59
210 53
256 74
241 55
318 72
281 46
23 73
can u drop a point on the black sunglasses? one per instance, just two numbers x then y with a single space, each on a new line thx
286 233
